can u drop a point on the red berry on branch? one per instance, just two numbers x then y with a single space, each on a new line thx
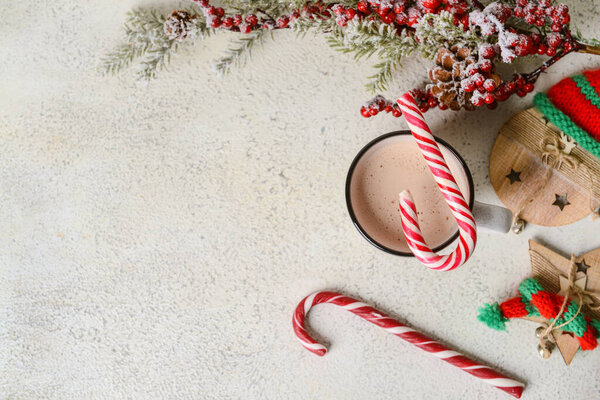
468 85
477 101
245 28
350 13
554 40
487 51
237 19
544 3
565 19
556 27
522 3
203 3
488 98
388 18
485 66
220 12
401 19
478 79
542 49
399 7
396 111
551 51
388 108
228 22
364 112
432 102
489 85
442 106
216 22
521 93
341 21
338 9
363 7
211 10
519 13
423 108
528 87
282 21
431 4
252 19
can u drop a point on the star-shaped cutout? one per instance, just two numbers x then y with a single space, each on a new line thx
582 266
514 176
561 201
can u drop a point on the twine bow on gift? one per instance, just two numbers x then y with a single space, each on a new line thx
550 146
570 288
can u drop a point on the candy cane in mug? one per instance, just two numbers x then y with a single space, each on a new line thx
483 372
447 185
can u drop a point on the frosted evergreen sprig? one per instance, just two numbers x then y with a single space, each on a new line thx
437 30
239 52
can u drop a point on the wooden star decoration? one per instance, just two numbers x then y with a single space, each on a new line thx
552 270
561 201
514 176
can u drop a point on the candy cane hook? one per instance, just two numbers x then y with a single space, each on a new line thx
483 372
447 185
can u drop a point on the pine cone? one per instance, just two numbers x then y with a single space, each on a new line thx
446 76
179 25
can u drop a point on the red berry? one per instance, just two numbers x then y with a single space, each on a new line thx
237 19
228 22
540 11
489 85
338 9
442 106
519 13
399 7
544 3
216 22
478 79
522 3
432 102
551 51
554 40
431 4
468 85
350 13
488 98
401 19
282 21
245 28
521 93
252 19
373 111
220 12
396 112
487 51
364 112
342 21
477 101
556 27
203 3
528 87
423 108
542 48
388 108
363 7
211 10
530 19
388 18
485 66
565 19
568 46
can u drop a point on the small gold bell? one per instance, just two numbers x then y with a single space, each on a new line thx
518 225
546 350
540 331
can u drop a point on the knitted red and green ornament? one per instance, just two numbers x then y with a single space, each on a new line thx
535 301
573 105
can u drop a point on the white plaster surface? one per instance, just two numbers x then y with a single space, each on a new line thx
154 241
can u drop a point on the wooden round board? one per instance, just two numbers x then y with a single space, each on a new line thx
517 174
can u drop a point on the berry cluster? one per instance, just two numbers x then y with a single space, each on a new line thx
507 31
379 104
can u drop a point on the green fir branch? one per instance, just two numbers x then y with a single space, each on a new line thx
239 52
438 30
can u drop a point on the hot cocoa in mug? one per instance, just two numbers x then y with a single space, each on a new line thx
393 163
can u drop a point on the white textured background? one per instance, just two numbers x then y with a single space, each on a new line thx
155 241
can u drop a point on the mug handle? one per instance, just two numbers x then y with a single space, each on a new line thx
491 218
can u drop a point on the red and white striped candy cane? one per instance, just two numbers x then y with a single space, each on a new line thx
483 372
447 185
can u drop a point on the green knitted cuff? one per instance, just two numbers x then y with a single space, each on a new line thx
565 124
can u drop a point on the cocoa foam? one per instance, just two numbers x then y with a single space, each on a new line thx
384 170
